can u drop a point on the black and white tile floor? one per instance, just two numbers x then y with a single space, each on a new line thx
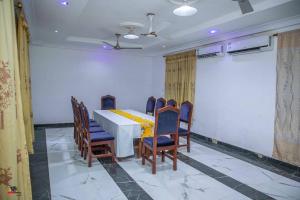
205 173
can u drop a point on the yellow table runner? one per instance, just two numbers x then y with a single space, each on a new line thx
146 125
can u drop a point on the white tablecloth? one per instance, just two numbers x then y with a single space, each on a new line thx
123 129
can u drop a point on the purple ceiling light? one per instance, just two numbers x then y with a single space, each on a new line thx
64 3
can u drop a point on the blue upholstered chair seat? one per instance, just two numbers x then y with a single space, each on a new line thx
93 124
182 132
161 141
96 129
101 136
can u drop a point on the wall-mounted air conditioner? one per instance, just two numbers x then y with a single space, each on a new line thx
250 45
210 51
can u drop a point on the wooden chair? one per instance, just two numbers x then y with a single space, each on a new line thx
160 103
172 102
95 142
150 105
78 123
166 123
77 119
92 126
186 111
73 100
108 102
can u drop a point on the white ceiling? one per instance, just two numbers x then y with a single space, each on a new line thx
91 21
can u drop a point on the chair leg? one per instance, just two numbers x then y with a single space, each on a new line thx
154 163
85 152
163 156
112 150
89 156
79 142
143 154
82 149
139 148
188 138
175 159
147 152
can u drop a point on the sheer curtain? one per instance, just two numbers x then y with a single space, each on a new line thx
14 163
180 76
287 119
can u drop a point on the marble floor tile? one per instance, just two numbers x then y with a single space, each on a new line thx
70 177
274 185
185 183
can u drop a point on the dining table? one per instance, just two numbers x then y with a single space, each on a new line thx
123 129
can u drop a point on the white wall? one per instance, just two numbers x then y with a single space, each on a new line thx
235 99
158 76
59 73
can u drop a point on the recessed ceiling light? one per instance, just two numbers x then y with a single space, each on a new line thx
213 31
185 10
55 31
64 3
163 46
131 36
106 47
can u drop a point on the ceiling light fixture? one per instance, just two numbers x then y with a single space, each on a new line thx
131 27
64 3
131 36
55 31
213 31
185 9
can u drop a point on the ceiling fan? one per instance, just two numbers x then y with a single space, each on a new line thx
245 6
117 46
151 33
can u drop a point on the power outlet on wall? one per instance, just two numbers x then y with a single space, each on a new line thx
214 141
260 155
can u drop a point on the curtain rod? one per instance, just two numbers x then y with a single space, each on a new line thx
188 49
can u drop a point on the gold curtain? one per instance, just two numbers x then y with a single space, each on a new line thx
180 76
14 163
23 49
287 119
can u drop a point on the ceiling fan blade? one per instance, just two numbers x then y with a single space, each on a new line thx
108 44
245 6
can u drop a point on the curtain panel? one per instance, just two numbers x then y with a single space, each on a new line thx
14 162
287 117
180 76
23 52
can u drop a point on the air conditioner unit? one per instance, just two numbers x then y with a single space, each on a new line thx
210 51
250 45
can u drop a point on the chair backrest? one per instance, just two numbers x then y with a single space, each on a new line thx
160 103
108 102
77 113
186 111
150 105
85 121
172 102
73 104
166 121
